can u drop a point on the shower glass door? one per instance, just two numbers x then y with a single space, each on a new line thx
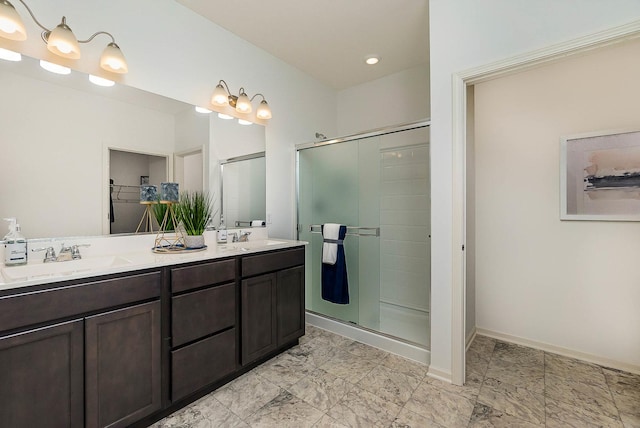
380 181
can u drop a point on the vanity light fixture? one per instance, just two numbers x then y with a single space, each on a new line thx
244 122
61 41
224 116
202 110
222 97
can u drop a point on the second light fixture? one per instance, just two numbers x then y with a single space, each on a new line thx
222 96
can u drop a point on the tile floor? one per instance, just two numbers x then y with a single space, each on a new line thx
331 381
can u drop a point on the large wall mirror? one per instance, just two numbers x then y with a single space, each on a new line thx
60 135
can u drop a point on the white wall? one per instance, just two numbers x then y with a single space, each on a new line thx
572 284
391 100
52 177
466 34
176 53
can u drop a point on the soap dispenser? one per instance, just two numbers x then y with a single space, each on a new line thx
15 245
222 231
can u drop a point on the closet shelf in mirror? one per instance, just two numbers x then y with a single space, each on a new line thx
121 193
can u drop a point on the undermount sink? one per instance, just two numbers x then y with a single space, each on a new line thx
252 245
57 269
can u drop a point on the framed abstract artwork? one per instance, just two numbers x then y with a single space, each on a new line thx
600 176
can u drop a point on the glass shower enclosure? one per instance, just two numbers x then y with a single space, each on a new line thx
378 186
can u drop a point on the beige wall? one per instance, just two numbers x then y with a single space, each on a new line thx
571 284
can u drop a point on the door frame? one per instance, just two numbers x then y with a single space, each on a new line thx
460 82
106 172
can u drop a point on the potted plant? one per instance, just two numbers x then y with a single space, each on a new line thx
193 212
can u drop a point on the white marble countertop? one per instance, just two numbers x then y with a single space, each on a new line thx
109 255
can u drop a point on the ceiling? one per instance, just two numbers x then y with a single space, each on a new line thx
329 39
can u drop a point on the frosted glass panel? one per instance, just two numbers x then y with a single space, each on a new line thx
380 181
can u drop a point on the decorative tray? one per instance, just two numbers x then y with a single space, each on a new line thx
176 249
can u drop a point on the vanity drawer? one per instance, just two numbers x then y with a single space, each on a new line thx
202 312
35 307
202 363
190 277
270 262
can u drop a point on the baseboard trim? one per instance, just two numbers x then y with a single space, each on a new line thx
388 344
439 374
470 337
566 352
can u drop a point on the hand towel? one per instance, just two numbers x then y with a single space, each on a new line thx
335 284
330 231
257 223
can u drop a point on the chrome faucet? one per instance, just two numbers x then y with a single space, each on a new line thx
66 253
244 236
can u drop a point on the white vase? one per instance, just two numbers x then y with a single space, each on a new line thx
194 241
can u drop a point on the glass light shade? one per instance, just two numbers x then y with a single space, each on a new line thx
244 122
264 112
10 55
62 42
224 116
202 110
220 97
100 81
11 25
54 68
113 60
243 105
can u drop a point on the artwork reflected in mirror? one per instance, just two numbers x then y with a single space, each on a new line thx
244 191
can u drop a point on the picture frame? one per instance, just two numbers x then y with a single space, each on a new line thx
600 176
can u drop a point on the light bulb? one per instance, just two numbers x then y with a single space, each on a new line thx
264 112
10 55
220 97
62 42
11 25
100 81
113 60
243 105
54 68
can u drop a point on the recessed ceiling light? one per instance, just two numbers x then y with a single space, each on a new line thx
372 59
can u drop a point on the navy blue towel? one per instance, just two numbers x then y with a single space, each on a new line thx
335 286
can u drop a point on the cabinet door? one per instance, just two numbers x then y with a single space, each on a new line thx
122 368
41 377
290 297
258 317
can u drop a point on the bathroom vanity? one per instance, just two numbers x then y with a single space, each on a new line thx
132 345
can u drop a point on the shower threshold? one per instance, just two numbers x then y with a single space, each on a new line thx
386 342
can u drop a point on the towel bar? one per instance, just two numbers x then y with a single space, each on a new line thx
351 230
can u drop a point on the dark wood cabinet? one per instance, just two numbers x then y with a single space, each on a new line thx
290 304
41 377
122 367
204 309
272 304
259 328
126 349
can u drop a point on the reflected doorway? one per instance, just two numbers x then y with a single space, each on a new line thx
127 171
